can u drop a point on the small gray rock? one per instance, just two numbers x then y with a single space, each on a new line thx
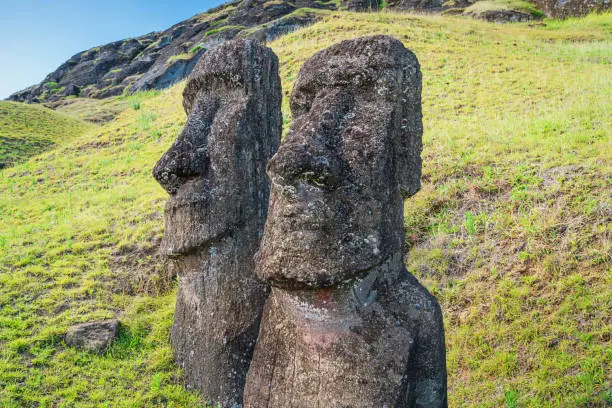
93 336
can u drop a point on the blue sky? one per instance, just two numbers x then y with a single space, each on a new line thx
36 36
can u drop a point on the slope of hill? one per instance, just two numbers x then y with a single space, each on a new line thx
511 230
27 130
160 59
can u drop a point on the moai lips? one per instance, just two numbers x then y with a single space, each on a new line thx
346 325
215 175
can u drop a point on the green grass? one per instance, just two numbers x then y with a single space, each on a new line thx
89 110
272 3
302 12
100 110
511 230
183 56
195 49
223 29
515 5
219 13
27 130
52 85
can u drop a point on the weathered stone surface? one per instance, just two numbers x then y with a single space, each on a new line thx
572 8
93 336
502 16
215 174
71 90
424 5
362 5
346 325
284 25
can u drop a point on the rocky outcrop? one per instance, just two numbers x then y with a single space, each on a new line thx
158 60
572 8
215 175
345 324
363 5
502 16
374 5
284 25
422 5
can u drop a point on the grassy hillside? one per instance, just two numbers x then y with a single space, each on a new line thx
26 130
511 230
522 6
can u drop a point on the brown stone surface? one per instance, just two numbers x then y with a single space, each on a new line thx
421 5
346 325
503 16
572 8
215 174
93 336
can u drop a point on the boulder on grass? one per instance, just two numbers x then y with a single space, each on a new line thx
93 336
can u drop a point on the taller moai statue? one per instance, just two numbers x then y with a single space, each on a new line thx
345 324
215 175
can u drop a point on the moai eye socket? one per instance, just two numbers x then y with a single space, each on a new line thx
301 101
317 180
324 180
322 172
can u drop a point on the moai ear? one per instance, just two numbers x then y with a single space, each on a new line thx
408 140
408 156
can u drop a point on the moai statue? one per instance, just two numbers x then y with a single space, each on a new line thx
215 175
346 325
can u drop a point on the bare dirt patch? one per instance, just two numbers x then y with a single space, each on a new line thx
141 270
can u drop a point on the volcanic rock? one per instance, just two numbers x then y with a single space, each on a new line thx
93 336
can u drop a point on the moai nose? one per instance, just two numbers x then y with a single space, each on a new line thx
288 162
188 157
310 153
308 163
181 162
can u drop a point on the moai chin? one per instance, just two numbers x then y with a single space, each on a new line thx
215 175
345 324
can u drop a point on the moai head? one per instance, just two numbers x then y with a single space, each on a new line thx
352 153
212 171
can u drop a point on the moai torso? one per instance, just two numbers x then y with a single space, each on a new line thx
215 174
346 325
